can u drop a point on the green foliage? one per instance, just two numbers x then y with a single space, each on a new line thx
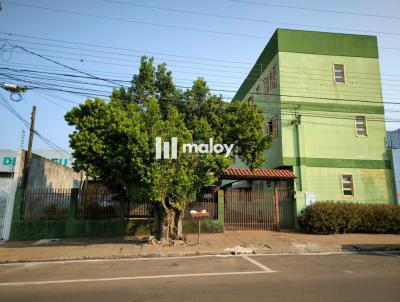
341 217
115 140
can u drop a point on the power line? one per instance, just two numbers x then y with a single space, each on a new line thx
134 21
123 49
316 9
48 142
195 29
186 72
239 18
150 52
120 54
219 90
225 66
58 63
43 96
20 73
297 77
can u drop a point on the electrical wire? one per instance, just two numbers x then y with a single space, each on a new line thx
36 84
5 104
161 59
135 21
312 9
192 28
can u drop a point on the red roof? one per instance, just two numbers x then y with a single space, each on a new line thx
257 174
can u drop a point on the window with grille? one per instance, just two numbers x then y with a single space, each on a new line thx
270 81
338 73
347 185
272 127
361 125
272 78
266 86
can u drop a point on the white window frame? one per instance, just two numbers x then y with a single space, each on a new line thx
334 74
343 182
365 125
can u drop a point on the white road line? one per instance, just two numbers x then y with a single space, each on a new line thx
263 267
131 278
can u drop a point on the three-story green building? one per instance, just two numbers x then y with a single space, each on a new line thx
322 100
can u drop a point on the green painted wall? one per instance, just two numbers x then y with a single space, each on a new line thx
308 42
325 144
39 229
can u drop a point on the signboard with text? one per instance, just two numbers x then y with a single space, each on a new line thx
8 158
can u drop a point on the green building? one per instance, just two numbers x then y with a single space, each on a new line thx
322 101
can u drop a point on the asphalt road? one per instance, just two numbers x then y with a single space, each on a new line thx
334 277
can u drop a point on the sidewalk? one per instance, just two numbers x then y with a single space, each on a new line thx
259 242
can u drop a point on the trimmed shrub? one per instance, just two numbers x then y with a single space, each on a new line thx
330 217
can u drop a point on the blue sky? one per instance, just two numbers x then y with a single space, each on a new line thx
222 50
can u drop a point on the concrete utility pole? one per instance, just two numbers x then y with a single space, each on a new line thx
29 153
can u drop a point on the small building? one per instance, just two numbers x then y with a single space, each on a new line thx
321 97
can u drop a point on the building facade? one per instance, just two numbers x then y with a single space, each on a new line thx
322 101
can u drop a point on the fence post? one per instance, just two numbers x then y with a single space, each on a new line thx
276 204
221 209
73 204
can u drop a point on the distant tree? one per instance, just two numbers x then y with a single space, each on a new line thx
115 141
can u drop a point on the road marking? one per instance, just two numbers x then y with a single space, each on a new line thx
263 267
132 278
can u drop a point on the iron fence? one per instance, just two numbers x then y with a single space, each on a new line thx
46 204
204 200
97 204
139 209
250 210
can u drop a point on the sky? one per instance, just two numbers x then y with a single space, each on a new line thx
218 40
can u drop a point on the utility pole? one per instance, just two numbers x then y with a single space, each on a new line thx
28 154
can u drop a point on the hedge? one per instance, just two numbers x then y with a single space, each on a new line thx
330 217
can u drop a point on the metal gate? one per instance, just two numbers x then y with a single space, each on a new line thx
260 210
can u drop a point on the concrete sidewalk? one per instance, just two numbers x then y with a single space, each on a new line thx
259 242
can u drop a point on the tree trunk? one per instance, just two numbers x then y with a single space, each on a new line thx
168 222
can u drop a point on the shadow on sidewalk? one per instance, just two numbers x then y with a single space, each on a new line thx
371 248
76 242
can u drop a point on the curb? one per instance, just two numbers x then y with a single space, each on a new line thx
378 248
356 250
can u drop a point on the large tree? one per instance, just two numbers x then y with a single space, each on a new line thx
115 141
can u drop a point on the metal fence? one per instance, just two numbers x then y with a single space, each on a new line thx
46 204
204 200
92 203
250 210
139 209
97 204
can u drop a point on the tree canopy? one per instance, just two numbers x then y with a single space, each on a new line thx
115 140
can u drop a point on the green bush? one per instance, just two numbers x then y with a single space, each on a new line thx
330 217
